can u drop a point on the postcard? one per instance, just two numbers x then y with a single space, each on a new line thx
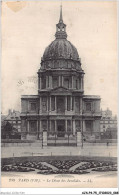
59 94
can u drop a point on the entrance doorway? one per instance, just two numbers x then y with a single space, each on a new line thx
61 128
60 104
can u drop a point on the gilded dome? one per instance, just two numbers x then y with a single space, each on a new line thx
61 48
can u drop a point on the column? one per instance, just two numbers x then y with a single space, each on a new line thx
80 105
40 126
82 84
79 139
40 105
59 80
74 128
84 127
71 127
62 80
28 106
50 104
65 103
27 126
40 83
72 82
44 138
47 125
47 103
55 104
66 126
94 127
50 82
37 129
27 130
74 104
46 82
50 125
71 103
55 126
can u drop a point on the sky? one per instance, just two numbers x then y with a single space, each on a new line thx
28 27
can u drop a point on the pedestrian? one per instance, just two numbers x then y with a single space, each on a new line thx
107 143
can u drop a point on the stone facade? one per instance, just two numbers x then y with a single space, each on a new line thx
108 125
60 109
13 117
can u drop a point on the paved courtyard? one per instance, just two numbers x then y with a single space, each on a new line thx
37 150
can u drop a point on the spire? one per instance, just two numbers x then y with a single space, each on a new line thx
61 27
60 20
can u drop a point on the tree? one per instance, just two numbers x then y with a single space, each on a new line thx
6 129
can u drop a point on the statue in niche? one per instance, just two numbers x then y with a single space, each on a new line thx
44 125
48 65
61 64
69 65
73 65
44 104
65 64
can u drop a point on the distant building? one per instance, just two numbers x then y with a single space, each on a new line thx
3 117
60 109
108 125
13 117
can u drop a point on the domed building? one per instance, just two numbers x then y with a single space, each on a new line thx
60 114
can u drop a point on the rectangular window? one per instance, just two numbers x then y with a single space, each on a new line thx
68 103
55 82
66 82
72 103
79 83
76 84
89 126
77 123
48 80
33 106
68 125
88 106
33 126
77 104
44 104
43 82
52 126
52 103
44 125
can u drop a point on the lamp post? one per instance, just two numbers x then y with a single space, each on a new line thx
82 134
38 123
55 138
42 139
27 122
68 133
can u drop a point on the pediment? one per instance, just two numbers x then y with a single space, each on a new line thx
60 89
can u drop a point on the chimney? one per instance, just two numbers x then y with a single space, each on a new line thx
9 111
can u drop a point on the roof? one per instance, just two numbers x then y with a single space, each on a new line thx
91 97
29 96
3 117
13 115
61 48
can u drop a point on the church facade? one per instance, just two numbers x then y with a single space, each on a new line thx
60 110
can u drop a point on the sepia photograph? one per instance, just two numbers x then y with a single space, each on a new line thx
59 94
